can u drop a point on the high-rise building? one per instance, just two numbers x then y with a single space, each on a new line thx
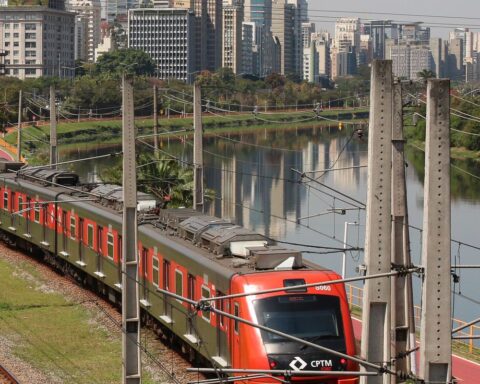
310 64
409 58
307 30
89 11
438 64
322 42
347 33
166 35
214 34
247 48
456 59
283 29
38 41
260 13
232 36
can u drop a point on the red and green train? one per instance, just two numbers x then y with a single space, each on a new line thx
78 229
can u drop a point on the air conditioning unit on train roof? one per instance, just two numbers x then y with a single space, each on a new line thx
172 217
193 227
276 257
231 240
113 196
54 176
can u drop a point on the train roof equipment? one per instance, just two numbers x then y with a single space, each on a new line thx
50 176
193 227
114 193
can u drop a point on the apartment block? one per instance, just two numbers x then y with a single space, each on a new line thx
38 41
166 35
232 37
88 14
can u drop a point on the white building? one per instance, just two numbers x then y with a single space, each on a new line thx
232 19
347 33
90 12
39 41
409 59
166 35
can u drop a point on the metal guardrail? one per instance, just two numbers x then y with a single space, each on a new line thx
355 298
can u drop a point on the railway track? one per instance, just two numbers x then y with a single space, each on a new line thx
6 377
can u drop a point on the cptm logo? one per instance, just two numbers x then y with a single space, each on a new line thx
298 364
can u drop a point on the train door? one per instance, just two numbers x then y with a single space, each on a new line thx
27 208
145 272
222 336
120 259
99 249
12 209
64 231
80 240
191 320
167 310
235 334
44 208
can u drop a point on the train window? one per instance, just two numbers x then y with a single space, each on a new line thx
90 235
20 206
191 287
99 239
166 274
36 210
73 226
155 268
309 317
220 305
236 312
5 200
110 245
205 295
179 283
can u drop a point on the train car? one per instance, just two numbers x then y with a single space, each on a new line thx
78 230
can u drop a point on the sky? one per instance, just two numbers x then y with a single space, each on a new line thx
461 8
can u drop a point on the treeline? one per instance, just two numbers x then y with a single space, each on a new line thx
96 90
464 122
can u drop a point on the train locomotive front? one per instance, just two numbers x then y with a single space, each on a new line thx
317 314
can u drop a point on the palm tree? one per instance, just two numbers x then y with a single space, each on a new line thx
426 74
161 177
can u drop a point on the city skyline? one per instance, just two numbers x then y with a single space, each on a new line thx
352 8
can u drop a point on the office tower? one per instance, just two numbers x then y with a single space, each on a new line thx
307 30
409 58
455 59
232 36
38 40
310 64
88 14
166 35
438 64
247 48
283 31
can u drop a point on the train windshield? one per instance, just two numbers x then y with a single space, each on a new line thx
308 317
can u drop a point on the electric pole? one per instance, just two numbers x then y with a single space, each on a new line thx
19 130
130 304
377 297
402 301
155 120
197 149
53 129
436 328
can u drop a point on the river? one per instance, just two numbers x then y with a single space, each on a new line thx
255 184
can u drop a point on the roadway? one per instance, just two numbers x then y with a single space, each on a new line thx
465 371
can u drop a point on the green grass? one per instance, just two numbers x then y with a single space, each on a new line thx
57 337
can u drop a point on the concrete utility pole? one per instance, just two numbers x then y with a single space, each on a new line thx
402 317
197 148
19 130
155 120
53 129
377 297
436 331
130 304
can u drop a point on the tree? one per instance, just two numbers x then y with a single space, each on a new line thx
130 61
426 74
164 178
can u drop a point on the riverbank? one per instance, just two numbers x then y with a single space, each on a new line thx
107 133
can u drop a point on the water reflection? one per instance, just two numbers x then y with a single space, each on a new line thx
256 186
